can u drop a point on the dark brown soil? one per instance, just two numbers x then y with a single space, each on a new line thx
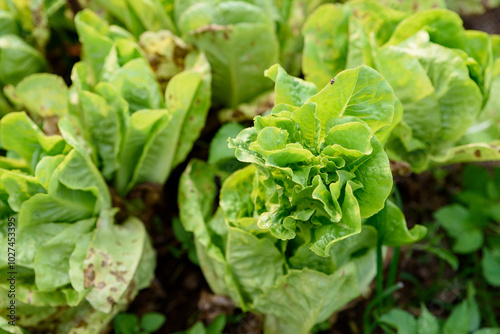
488 22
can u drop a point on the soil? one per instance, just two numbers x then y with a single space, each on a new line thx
488 22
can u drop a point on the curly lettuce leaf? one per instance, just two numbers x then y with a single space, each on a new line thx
393 229
314 178
288 89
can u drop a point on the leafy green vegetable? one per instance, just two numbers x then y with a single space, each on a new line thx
321 167
288 239
14 51
25 33
439 71
72 260
240 42
115 109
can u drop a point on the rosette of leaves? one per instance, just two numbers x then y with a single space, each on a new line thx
75 268
115 108
439 71
289 239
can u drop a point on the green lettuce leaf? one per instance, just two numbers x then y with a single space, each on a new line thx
239 41
394 231
43 95
18 59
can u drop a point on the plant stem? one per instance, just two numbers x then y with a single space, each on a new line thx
394 267
381 216
396 250
368 326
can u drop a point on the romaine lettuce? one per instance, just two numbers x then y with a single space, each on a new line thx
115 111
72 260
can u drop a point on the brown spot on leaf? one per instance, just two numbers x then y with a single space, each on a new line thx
101 285
119 275
91 253
477 153
110 300
106 256
212 28
89 276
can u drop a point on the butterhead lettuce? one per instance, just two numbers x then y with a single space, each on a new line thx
289 238
440 72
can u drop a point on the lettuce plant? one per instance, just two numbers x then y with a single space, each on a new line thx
439 71
72 261
292 237
115 108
